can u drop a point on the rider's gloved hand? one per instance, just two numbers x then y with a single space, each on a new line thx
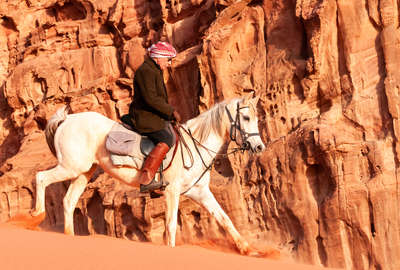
176 116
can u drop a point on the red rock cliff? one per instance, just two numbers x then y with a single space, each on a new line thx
325 189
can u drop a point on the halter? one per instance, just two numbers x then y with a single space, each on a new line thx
236 126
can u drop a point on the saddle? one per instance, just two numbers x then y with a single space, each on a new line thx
128 148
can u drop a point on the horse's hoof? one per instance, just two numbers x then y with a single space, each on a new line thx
253 253
36 213
38 218
69 232
270 253
243 249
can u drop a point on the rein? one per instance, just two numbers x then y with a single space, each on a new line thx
235 126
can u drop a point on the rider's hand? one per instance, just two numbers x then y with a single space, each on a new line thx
177 116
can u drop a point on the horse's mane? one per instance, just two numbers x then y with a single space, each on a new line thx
54 122
208 122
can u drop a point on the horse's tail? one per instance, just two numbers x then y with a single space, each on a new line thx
54 122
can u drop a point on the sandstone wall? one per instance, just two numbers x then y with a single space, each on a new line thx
325 189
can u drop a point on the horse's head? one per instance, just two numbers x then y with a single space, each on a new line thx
243 119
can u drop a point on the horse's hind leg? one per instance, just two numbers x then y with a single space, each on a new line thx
45 178
75 190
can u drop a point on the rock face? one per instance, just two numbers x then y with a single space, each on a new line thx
325 189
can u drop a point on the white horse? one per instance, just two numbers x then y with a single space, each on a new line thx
78 141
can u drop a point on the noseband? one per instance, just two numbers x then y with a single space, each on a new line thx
236 126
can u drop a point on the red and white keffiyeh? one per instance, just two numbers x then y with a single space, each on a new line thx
162 50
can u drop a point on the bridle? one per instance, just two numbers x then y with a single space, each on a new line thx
236 126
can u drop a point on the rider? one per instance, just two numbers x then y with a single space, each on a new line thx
150 111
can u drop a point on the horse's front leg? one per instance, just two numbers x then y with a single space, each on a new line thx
204 197
171 194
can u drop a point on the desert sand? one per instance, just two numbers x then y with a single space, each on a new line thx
40 250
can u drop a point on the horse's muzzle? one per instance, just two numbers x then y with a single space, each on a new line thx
258 148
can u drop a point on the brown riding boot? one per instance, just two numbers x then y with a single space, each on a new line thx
150 167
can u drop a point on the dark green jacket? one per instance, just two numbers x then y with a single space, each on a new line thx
149 109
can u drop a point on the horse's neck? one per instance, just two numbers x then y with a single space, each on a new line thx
217 127
214 142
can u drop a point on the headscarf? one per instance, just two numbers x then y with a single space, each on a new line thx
162 49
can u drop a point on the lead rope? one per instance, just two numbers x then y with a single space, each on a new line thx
197 149
201 176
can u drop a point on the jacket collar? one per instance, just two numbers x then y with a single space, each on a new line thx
152 63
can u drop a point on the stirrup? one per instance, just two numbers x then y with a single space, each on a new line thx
153 185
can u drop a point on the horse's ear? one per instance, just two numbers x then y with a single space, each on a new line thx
256 99
247 98
253 101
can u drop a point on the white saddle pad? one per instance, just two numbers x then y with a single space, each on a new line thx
124 147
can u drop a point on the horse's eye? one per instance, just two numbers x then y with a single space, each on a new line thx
246 118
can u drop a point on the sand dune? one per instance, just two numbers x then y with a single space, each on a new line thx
38 250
